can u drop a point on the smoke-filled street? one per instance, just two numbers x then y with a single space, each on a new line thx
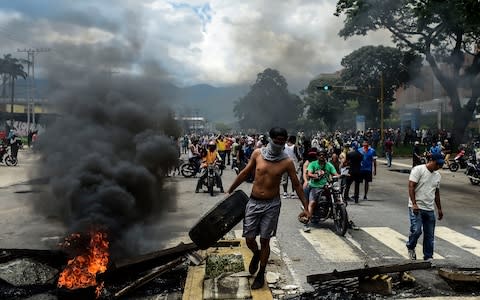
379 239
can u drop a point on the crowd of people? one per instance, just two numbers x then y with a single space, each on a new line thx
273 161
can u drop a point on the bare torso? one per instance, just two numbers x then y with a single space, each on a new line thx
268 176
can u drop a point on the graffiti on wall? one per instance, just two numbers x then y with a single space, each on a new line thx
21 128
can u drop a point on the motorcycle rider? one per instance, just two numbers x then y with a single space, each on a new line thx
212 157
194 154
318 173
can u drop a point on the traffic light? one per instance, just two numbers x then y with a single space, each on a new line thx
325 88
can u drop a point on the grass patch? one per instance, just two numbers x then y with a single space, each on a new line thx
219 264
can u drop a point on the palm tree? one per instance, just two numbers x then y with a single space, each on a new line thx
12 67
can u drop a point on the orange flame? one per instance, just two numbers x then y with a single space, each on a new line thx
81 271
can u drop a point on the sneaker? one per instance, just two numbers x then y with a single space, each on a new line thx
306 228
411 254
356 200
285 195
430 260
352 225
365 197
293 195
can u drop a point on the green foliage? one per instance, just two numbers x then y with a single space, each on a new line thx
268 103
441 30
222 127
324 106
364 68
216 265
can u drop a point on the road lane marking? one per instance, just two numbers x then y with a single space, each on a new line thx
458 239
330 246
395 241
476 227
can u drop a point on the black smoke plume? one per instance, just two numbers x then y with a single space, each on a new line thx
107 152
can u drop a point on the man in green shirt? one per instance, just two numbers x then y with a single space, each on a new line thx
318 173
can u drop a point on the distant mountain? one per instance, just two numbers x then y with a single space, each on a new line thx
213 103
202 100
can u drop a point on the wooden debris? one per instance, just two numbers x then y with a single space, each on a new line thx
460 275
369 271
380 284
149 277
146 262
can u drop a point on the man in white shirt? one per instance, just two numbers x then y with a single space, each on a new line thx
424 195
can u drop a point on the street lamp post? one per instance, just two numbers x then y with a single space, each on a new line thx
381 108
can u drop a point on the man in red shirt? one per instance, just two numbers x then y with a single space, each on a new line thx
389 151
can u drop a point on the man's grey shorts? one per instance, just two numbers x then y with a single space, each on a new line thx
261 218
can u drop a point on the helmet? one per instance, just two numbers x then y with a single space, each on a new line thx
322 151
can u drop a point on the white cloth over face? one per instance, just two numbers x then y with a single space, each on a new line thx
273 152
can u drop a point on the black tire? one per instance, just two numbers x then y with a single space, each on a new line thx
475 181
210 183
10 160
341 220
219 220
454 166
187 170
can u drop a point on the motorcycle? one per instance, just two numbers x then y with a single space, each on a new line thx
189 169
458 162
210 181
330 204
6 156
473 172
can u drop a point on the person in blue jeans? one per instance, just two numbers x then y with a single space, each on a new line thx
367 166
424 195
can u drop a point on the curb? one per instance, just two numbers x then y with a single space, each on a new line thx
194 283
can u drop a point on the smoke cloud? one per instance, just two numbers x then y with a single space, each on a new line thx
107 151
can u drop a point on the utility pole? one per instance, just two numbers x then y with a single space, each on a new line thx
31 83
381 107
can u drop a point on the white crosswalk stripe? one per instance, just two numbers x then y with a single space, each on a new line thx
458 239
394 240
476 227
330 246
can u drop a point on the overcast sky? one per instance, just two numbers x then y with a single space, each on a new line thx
214 42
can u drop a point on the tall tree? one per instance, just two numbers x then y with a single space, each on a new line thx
268 103
13 67
443 31
324 107
367 67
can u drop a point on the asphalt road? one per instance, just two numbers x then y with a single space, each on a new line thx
383 222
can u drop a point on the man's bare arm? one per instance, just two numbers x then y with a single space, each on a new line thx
439 204
298 188
243 175
411 192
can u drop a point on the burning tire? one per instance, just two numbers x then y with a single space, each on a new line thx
219 220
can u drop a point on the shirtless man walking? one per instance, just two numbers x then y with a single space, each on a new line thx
263 208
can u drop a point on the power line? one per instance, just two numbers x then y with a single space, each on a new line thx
31 83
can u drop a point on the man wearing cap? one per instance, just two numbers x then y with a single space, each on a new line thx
424 195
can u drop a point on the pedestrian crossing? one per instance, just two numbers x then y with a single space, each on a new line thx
333 248
391 244
458 239
395 240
